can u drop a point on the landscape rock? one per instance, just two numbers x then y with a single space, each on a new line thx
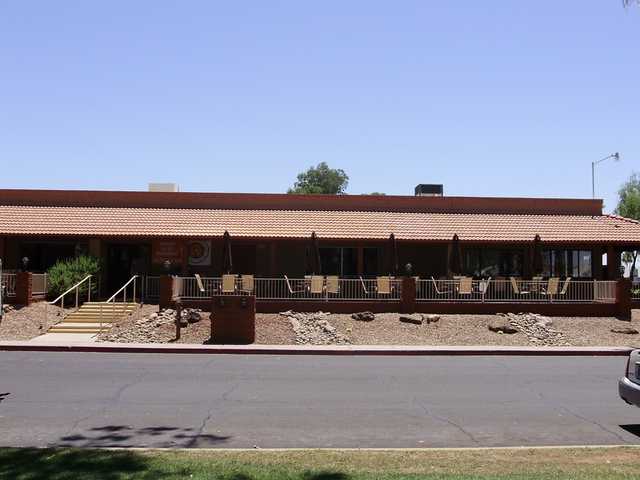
537 328
313 329
364 316
153 327
192 315
415 318
625 330
501 326
431 318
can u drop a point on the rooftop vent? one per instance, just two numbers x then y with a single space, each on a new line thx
164 187
429 190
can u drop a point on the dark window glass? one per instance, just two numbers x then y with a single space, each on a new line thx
493 262
567 263
330 260
342 261
371 259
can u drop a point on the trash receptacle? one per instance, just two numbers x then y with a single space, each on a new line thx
233 319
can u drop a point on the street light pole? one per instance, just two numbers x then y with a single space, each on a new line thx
616 158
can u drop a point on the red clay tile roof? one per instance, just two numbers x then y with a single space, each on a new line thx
149 222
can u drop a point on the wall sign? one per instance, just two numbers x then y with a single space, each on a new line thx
199 253
163 250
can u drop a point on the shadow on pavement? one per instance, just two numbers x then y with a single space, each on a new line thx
126 436
632 429
40 464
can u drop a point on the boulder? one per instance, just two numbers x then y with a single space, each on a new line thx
415 318
192 315
431 318
500 326
363 316
625 330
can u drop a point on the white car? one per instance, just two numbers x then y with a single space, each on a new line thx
629 385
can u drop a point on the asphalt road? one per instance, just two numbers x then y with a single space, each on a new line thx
87 399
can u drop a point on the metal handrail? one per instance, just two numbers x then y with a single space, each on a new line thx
75 287
123 288
112 298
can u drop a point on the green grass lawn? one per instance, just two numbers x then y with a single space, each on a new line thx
556 464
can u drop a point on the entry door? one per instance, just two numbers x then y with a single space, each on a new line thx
124 261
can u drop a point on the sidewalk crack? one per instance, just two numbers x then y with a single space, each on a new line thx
593 422
448 421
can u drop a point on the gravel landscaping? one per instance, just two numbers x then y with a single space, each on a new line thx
25 323
150 325
318 328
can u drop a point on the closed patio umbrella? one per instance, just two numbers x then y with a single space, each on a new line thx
455 257
536 264
393 255
227 260
314 265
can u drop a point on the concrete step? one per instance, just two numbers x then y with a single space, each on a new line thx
74 330
130 304
104 312
87 320
65 325
107 308
93 317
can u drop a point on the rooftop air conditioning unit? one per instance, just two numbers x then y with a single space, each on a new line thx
429 190
164 187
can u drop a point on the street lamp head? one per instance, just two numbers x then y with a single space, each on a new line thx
616 156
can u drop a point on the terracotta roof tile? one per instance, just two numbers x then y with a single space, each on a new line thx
149 222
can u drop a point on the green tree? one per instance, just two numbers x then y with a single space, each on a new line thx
321 179
629 207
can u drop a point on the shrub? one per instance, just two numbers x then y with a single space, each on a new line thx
66 273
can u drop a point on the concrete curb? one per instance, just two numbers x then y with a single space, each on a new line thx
352 350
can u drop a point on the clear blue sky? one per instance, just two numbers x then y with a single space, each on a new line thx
490 98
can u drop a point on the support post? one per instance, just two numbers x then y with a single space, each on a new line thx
613 263
408 295
623 298
24 288
178 319
166 291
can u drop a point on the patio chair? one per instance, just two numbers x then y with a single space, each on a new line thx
465 287
247 283
333 284
536 285
483 286
228 283
552 287
436 289
317 285
565 287
383 285
290 288
516 289
364 285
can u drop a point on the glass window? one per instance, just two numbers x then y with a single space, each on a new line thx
371 260
586 269
493 262
330 260
564 263
341 261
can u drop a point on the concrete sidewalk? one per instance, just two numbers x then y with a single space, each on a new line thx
76 344
64 338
